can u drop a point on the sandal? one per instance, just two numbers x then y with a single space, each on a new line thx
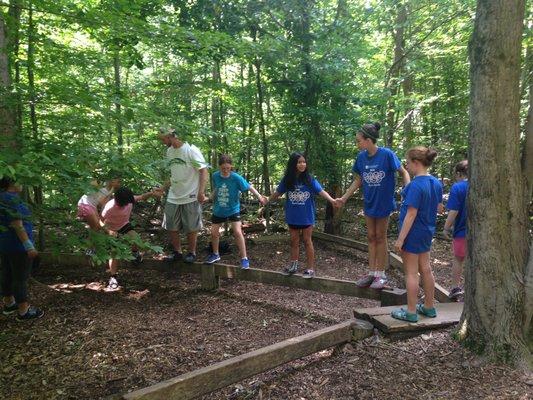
428 312
404 315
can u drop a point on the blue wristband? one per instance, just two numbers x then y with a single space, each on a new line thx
28 245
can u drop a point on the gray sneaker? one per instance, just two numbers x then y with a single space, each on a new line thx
291 269
365 281
190 258
378 283
308 273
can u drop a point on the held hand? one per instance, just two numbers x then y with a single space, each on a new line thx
263 200
398 246
32 254
339 202
158 192
201 198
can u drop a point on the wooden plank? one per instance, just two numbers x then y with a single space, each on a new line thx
224 373
317 284
354 244
447 314
209 280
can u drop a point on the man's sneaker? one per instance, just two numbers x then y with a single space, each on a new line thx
7 310
174 256
138 258
190 258
365 281
245 263
455 293
90 252
32 313
112 284
404 315
291 269
378 283
308 273
211 258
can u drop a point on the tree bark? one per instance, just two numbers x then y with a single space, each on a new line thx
118 102
8 137
498 249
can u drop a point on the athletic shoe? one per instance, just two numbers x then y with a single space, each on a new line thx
175 256
291 269
308 273
32 313
7 310
138 258
112 284
455 293
378 283
428 312
404 315
211 258
245 263
90 252
190 258
365 281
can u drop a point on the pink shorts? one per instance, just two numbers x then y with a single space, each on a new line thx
84 210
459 248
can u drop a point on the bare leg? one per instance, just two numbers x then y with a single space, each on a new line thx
410 264
191 238
309 249
93 221
372 244
457 271
382 250
239 238
428 281
215 237
295 244
113 266
175 240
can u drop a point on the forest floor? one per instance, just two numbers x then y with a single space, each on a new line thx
92 343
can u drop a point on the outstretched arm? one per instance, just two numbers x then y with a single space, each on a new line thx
262 199
326 195
356 184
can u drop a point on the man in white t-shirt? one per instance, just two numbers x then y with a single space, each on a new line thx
186 193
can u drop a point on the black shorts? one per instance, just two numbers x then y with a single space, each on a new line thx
232 218
299 226
125 229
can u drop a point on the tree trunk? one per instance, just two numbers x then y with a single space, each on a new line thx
495 311
8 137
15 8
118 101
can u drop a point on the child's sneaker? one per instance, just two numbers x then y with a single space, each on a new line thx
455 293
8 310
245 263
404 315
308 273
211 258
32 313
190 258
90 252
291 269
365 281
378 283
138 258
428 312
173 257
112 284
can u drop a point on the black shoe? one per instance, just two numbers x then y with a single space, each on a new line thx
138 258
291 269
175 256
8 310
190 258
32 313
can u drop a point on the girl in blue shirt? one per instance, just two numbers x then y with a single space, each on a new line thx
375 168
300 188
421 199
227 187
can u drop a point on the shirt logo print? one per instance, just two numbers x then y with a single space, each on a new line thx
374 178
298 197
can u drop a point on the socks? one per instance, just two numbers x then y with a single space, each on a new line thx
377 274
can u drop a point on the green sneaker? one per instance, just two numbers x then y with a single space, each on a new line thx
428 312
404 315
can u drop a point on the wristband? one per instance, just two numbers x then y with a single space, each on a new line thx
28 245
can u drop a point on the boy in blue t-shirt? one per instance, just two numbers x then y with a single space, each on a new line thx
457 218
300 189
227 187
422 198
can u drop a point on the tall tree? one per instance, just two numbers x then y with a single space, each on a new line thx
496 319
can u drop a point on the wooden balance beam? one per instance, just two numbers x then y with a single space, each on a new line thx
211 274
219 375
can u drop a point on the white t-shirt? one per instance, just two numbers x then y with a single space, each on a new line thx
184 163
94 198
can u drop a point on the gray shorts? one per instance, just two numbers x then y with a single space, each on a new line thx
184 218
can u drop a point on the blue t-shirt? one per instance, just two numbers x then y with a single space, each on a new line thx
300 202
377 175
228 191
423 193
12 208
457 202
